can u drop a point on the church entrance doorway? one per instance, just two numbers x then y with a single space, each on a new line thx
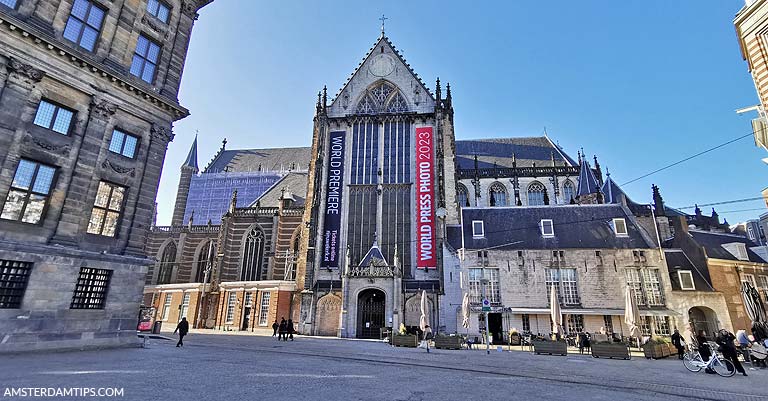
495 327
370 313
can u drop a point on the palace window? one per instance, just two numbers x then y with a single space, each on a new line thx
91 288
608 324
462 196
184 305
575 323
107 209
476 286
253 253
662 325
145 59
763 281
159 9
645 325
84 24
749 278
568 192
167 305
620 227
685 278
14 276
646 286
536 194
167 261
9 3
231 307
497 195
123 144
248 300
547 228
264 308
205 261
29 192
565 283
54 117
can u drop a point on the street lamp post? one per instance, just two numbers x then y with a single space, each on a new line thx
484 283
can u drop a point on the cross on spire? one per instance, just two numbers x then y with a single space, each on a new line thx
382 19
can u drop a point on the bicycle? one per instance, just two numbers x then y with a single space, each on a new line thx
692 361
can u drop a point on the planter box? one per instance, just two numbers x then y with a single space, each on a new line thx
655 351
448 342
405 341
610 350
550 347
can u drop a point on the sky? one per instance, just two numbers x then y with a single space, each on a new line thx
640 84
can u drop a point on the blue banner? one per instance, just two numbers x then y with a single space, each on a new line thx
334 184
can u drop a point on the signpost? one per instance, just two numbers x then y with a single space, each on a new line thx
486 309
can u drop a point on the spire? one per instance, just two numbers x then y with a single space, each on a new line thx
317 105
715 217
588 183
598 170
325 99
191 160
438 91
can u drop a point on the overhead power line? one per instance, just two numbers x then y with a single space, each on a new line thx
688 158
742 210
722 203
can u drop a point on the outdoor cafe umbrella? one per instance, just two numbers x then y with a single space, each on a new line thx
424 319
754 306
465 311
557 316
632 315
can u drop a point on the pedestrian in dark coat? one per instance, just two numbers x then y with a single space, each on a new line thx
182 328
290 329
725 341
282 330
275 326
704 351
677 341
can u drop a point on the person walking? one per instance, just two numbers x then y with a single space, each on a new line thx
677 341
704 351
290 329
725 341
182 328
282 329
275 326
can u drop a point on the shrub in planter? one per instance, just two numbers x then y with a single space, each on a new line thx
550 347
405 340
656 348
514 337
607 349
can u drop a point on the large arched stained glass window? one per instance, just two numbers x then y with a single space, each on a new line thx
497 195
253 253
205 260
536 194
568 192
383 97
462 196
167 262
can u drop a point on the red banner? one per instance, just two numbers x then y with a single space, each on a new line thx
425 199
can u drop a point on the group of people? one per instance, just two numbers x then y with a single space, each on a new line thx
726 342
283 330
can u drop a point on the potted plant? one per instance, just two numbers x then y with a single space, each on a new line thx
403 339
551 347
656 348
451 341
609 349
514 337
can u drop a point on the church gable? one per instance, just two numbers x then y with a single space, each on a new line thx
382 83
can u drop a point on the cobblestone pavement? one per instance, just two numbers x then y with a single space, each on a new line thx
218 367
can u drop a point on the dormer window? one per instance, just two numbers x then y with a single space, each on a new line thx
620 227
478 231
685 277
547 228
737 249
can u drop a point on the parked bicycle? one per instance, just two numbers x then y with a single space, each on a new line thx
692 361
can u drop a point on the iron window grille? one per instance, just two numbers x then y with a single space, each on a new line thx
107 209
91 288
145 59
159 9
14 276
84 24
29 192
54 117
123 144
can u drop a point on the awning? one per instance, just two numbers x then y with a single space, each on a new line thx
658 312
581 311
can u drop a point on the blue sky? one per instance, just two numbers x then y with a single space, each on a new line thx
638 83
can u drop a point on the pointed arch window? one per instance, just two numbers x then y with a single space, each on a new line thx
383 97
205 260
568 192
253 254
536 194
397 104
462 196
497 195
167 262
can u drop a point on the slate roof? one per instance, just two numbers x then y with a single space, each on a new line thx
612 194
374 257
575 226
712 243
246 160
453 236
527 151
191 160
294 182
588 183
677 260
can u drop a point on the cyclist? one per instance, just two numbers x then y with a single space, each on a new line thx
725 341
701 340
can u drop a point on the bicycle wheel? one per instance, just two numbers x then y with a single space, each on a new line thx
723 367
692 362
